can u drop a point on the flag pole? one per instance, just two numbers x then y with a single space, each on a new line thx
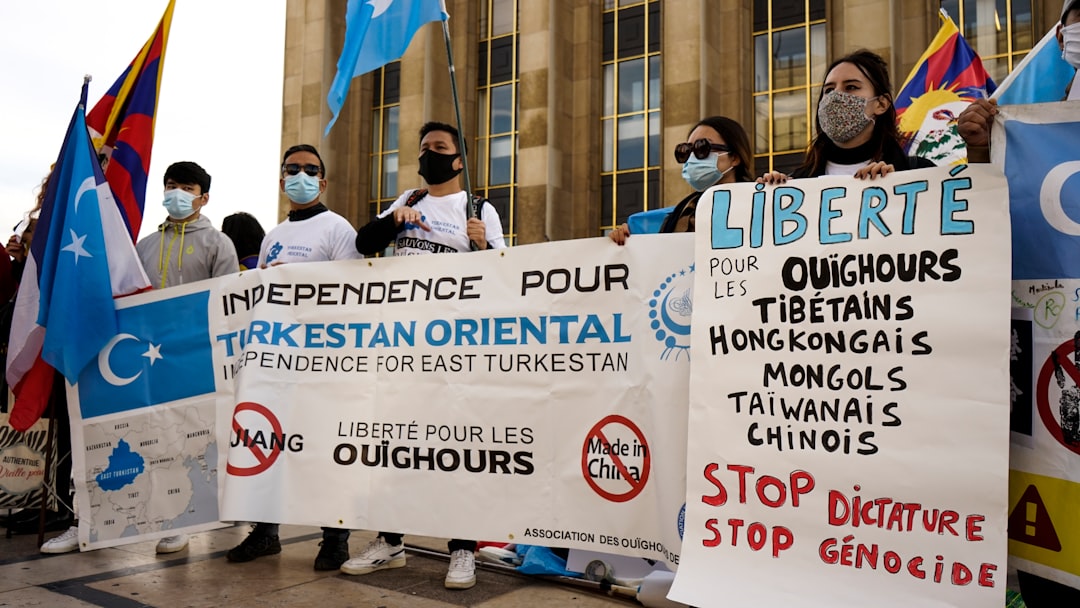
473 209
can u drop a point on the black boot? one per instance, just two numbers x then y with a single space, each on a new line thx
257 544
333 552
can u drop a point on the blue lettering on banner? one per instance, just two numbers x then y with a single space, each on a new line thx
787 207
486 331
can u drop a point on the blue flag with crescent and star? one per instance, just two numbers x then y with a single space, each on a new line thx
376 33
1042 163
76 299
161 352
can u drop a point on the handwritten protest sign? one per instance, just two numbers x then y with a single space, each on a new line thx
848 413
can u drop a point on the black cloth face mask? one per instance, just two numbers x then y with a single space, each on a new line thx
437 168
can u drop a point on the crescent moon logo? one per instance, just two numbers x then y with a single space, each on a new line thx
103 362
1050 198
87 185
379 7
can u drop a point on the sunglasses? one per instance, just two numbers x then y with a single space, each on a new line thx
701 149
294 168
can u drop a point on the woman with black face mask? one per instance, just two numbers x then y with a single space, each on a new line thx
717 151
856 124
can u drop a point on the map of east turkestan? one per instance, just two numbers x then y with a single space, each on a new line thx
152 472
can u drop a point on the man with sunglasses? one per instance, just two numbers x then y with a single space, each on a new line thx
419 222
312 233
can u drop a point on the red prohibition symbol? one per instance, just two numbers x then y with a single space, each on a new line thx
1042 390
596 434
264 459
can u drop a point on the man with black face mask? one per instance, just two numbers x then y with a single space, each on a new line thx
429 221
434 220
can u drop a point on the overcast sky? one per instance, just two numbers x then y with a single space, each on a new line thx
219 105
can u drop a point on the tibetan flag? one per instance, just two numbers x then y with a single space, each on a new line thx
947 78
376 33
79 259
122 124
1041 77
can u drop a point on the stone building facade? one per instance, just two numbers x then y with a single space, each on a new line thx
571 108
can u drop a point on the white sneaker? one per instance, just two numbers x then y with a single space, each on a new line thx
462 572
65 543
172 544
377 555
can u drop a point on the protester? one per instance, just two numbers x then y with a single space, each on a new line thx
202 252
435 220
312 233
18 246
975 122
856 131
27 521
717 151
246 234
974 125
186 247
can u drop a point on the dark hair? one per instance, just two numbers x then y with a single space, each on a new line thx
245 232
187 172
1068 8
304 148
735 137
441 126
877 72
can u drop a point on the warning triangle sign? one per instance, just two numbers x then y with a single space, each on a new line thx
1030 522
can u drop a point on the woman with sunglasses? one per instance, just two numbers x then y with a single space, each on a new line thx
717 151
856 124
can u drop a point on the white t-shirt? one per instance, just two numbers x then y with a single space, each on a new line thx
320 238
447 217
832 168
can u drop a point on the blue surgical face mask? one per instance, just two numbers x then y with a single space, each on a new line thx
302 188
701 173
178 203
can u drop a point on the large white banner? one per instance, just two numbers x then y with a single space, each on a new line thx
535 395
1039 148
848 420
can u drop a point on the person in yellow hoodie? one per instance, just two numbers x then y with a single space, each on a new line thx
186 247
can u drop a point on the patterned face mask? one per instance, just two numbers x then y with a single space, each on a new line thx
843 116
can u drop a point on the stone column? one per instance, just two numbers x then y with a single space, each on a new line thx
707 60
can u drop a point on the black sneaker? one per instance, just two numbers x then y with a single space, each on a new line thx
54 522
19 517
255 545
332 553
